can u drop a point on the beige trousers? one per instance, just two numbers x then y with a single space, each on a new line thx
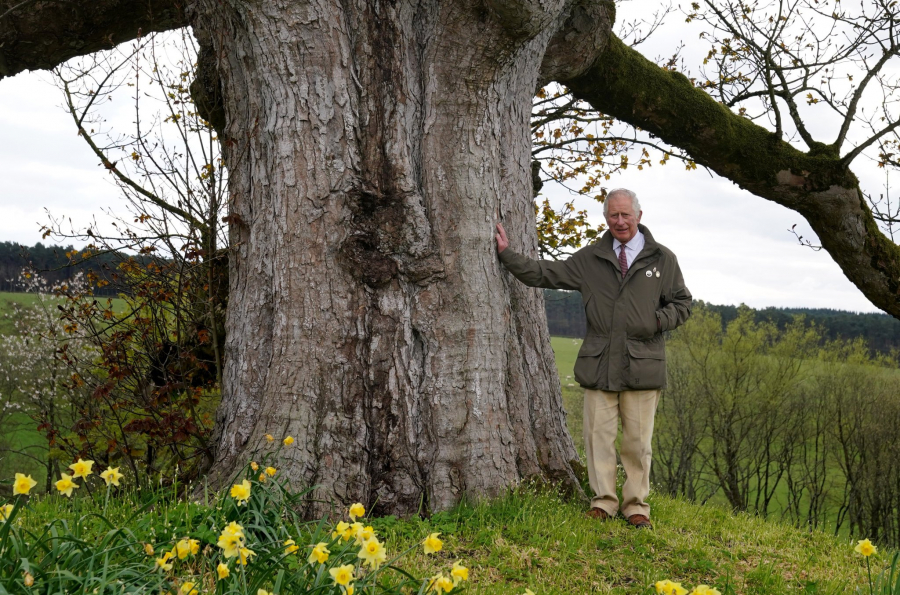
602 411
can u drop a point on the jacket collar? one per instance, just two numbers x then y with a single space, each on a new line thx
603 248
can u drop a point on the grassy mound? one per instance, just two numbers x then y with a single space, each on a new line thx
547 544
527 539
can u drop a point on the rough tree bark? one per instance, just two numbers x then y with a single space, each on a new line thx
372 146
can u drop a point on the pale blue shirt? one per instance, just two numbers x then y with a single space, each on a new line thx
632 248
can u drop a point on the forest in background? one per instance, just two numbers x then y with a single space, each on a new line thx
56 264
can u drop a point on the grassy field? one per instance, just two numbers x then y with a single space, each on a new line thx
565 351
19 433
7 304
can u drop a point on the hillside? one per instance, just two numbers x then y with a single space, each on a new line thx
527 539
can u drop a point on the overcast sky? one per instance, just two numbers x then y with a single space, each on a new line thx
733 247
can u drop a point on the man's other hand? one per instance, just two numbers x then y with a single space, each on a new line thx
502 242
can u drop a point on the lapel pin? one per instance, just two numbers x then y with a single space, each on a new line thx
650 273
657 273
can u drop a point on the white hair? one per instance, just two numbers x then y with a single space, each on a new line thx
622 192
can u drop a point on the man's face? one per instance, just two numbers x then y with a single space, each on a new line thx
621 218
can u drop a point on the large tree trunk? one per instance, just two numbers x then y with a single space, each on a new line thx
371 147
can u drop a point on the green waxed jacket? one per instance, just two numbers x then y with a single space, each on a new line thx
624 348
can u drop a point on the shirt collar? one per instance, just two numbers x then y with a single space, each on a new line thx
631 244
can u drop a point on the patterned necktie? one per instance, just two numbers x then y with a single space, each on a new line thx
623 262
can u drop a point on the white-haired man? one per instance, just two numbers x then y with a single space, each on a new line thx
633 291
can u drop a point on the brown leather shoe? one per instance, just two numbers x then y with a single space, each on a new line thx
599 514
639 521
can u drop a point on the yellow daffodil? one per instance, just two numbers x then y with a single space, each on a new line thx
230 544
529 592
23 484
290 547
187 588
66 485
254 466
5 511
262 478
148 549
164 561
342 575
81 468
348 590
865 548
372 553
705 590
222 571
245 556
263 592
112 476
357 510
241 492
270 438
432 544
28 579
364 534
233 528
271 471
355 529
231 540
440 582
185 547
344 530
319 553
288 441
667 587
459 573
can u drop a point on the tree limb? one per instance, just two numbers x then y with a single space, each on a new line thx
817 184
43 34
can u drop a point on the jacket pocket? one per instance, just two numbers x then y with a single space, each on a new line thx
646 364
587 366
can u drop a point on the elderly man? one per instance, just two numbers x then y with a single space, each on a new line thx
633 292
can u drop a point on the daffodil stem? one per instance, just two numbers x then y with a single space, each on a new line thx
869 570
77 505
106 501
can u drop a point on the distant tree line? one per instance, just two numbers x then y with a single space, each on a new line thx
56 264
565 317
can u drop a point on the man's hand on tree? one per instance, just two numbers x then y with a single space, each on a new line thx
502 242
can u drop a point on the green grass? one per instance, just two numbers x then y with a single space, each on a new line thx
537 540
565 352
7 301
